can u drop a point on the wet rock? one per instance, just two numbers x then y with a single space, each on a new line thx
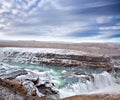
85 76
117 72
48 89
29 77
13 75
41 88
80 75
28 88
28 84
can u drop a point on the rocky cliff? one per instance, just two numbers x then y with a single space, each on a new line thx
59 59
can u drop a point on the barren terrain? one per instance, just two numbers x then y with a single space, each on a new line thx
91 48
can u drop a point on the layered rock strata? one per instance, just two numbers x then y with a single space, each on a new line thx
50 59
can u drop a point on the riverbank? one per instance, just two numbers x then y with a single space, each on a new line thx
95 97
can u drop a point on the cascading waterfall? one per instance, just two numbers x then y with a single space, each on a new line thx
101 81
66 81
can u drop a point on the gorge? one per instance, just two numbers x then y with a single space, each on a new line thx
49 73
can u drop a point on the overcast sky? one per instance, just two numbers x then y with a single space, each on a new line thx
60 20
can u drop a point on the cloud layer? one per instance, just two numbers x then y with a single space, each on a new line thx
78 20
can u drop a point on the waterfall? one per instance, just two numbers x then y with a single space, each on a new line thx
65 79
100 81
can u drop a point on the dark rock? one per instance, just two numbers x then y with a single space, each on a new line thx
117 72
85 76
16 92
36 86
13 75
47 89
60 60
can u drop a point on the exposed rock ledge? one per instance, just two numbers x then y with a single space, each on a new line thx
16 86
51 59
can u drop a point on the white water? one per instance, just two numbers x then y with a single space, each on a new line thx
68 85
103 82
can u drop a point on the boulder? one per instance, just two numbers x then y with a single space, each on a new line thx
29 85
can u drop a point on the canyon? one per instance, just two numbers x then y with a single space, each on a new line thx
70 60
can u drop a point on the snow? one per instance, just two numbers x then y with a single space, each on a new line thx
103 83
45 50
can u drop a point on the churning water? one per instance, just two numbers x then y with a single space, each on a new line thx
73 81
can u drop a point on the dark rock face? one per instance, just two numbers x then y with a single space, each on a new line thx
49 59
116 72
83 75
47 90
20 92
25 84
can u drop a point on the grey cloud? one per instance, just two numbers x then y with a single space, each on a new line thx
74 18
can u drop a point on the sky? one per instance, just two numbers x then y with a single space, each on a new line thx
60 20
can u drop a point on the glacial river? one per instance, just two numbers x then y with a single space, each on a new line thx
74 81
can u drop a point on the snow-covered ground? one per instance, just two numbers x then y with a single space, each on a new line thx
45 50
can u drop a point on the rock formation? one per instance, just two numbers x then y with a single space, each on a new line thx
50 59
25 85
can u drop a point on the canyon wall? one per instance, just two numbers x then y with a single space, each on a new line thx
56 59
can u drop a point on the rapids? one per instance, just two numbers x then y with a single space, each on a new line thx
71 81
68 80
